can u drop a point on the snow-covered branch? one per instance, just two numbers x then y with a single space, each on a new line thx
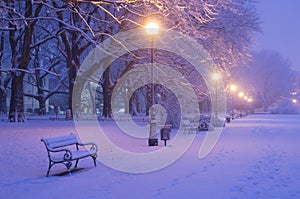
29 71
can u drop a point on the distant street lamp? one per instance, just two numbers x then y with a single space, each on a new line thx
232 89
216 77
241 94
152 29
249 100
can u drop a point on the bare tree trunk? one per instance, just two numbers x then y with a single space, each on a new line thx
3 94
106 86
73 52
93 100
77 107
16 110
42 106
3 105
133 104
72 76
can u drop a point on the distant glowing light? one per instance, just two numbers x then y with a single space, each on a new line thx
241 94
250 100
294 101
216 76
233 87
245 97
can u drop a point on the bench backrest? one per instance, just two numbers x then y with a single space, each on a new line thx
186 122
61 141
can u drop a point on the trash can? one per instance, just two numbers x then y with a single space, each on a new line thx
228 119
152 142
203 126
68 114
165 134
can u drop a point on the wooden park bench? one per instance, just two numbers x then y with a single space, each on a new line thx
190 127
65 149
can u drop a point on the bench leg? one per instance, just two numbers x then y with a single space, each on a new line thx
76 163
94 158
48 171
50 165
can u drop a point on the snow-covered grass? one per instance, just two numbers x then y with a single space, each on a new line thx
284 106
256 157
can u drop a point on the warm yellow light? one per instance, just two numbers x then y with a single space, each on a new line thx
233 87
152 28
294 101
250 100
241 94
245 98
216 76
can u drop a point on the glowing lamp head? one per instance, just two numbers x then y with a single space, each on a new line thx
233 87
152 28
241 94
294 101
216 76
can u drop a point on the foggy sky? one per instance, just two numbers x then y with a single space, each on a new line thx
281 28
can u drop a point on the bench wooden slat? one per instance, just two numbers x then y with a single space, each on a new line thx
62 141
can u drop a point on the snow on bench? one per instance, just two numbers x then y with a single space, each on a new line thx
65 149
189 127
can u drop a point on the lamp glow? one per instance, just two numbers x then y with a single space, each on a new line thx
233 87
216 76
152 28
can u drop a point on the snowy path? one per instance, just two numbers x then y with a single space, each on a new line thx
256 157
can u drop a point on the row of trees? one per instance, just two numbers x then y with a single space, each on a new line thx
267 77
49 39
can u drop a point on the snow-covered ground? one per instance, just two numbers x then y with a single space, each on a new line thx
256 157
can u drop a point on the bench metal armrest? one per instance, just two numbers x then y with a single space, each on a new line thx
93 145
67 155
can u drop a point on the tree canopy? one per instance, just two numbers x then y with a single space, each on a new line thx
53 37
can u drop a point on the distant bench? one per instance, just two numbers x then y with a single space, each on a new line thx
65 149
190 127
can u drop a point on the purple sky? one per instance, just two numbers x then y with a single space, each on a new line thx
281 28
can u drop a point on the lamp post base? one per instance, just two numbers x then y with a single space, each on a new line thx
152 142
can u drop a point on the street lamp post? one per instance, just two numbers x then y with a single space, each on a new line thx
241 95
246 105
216 77
152 29
232 89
